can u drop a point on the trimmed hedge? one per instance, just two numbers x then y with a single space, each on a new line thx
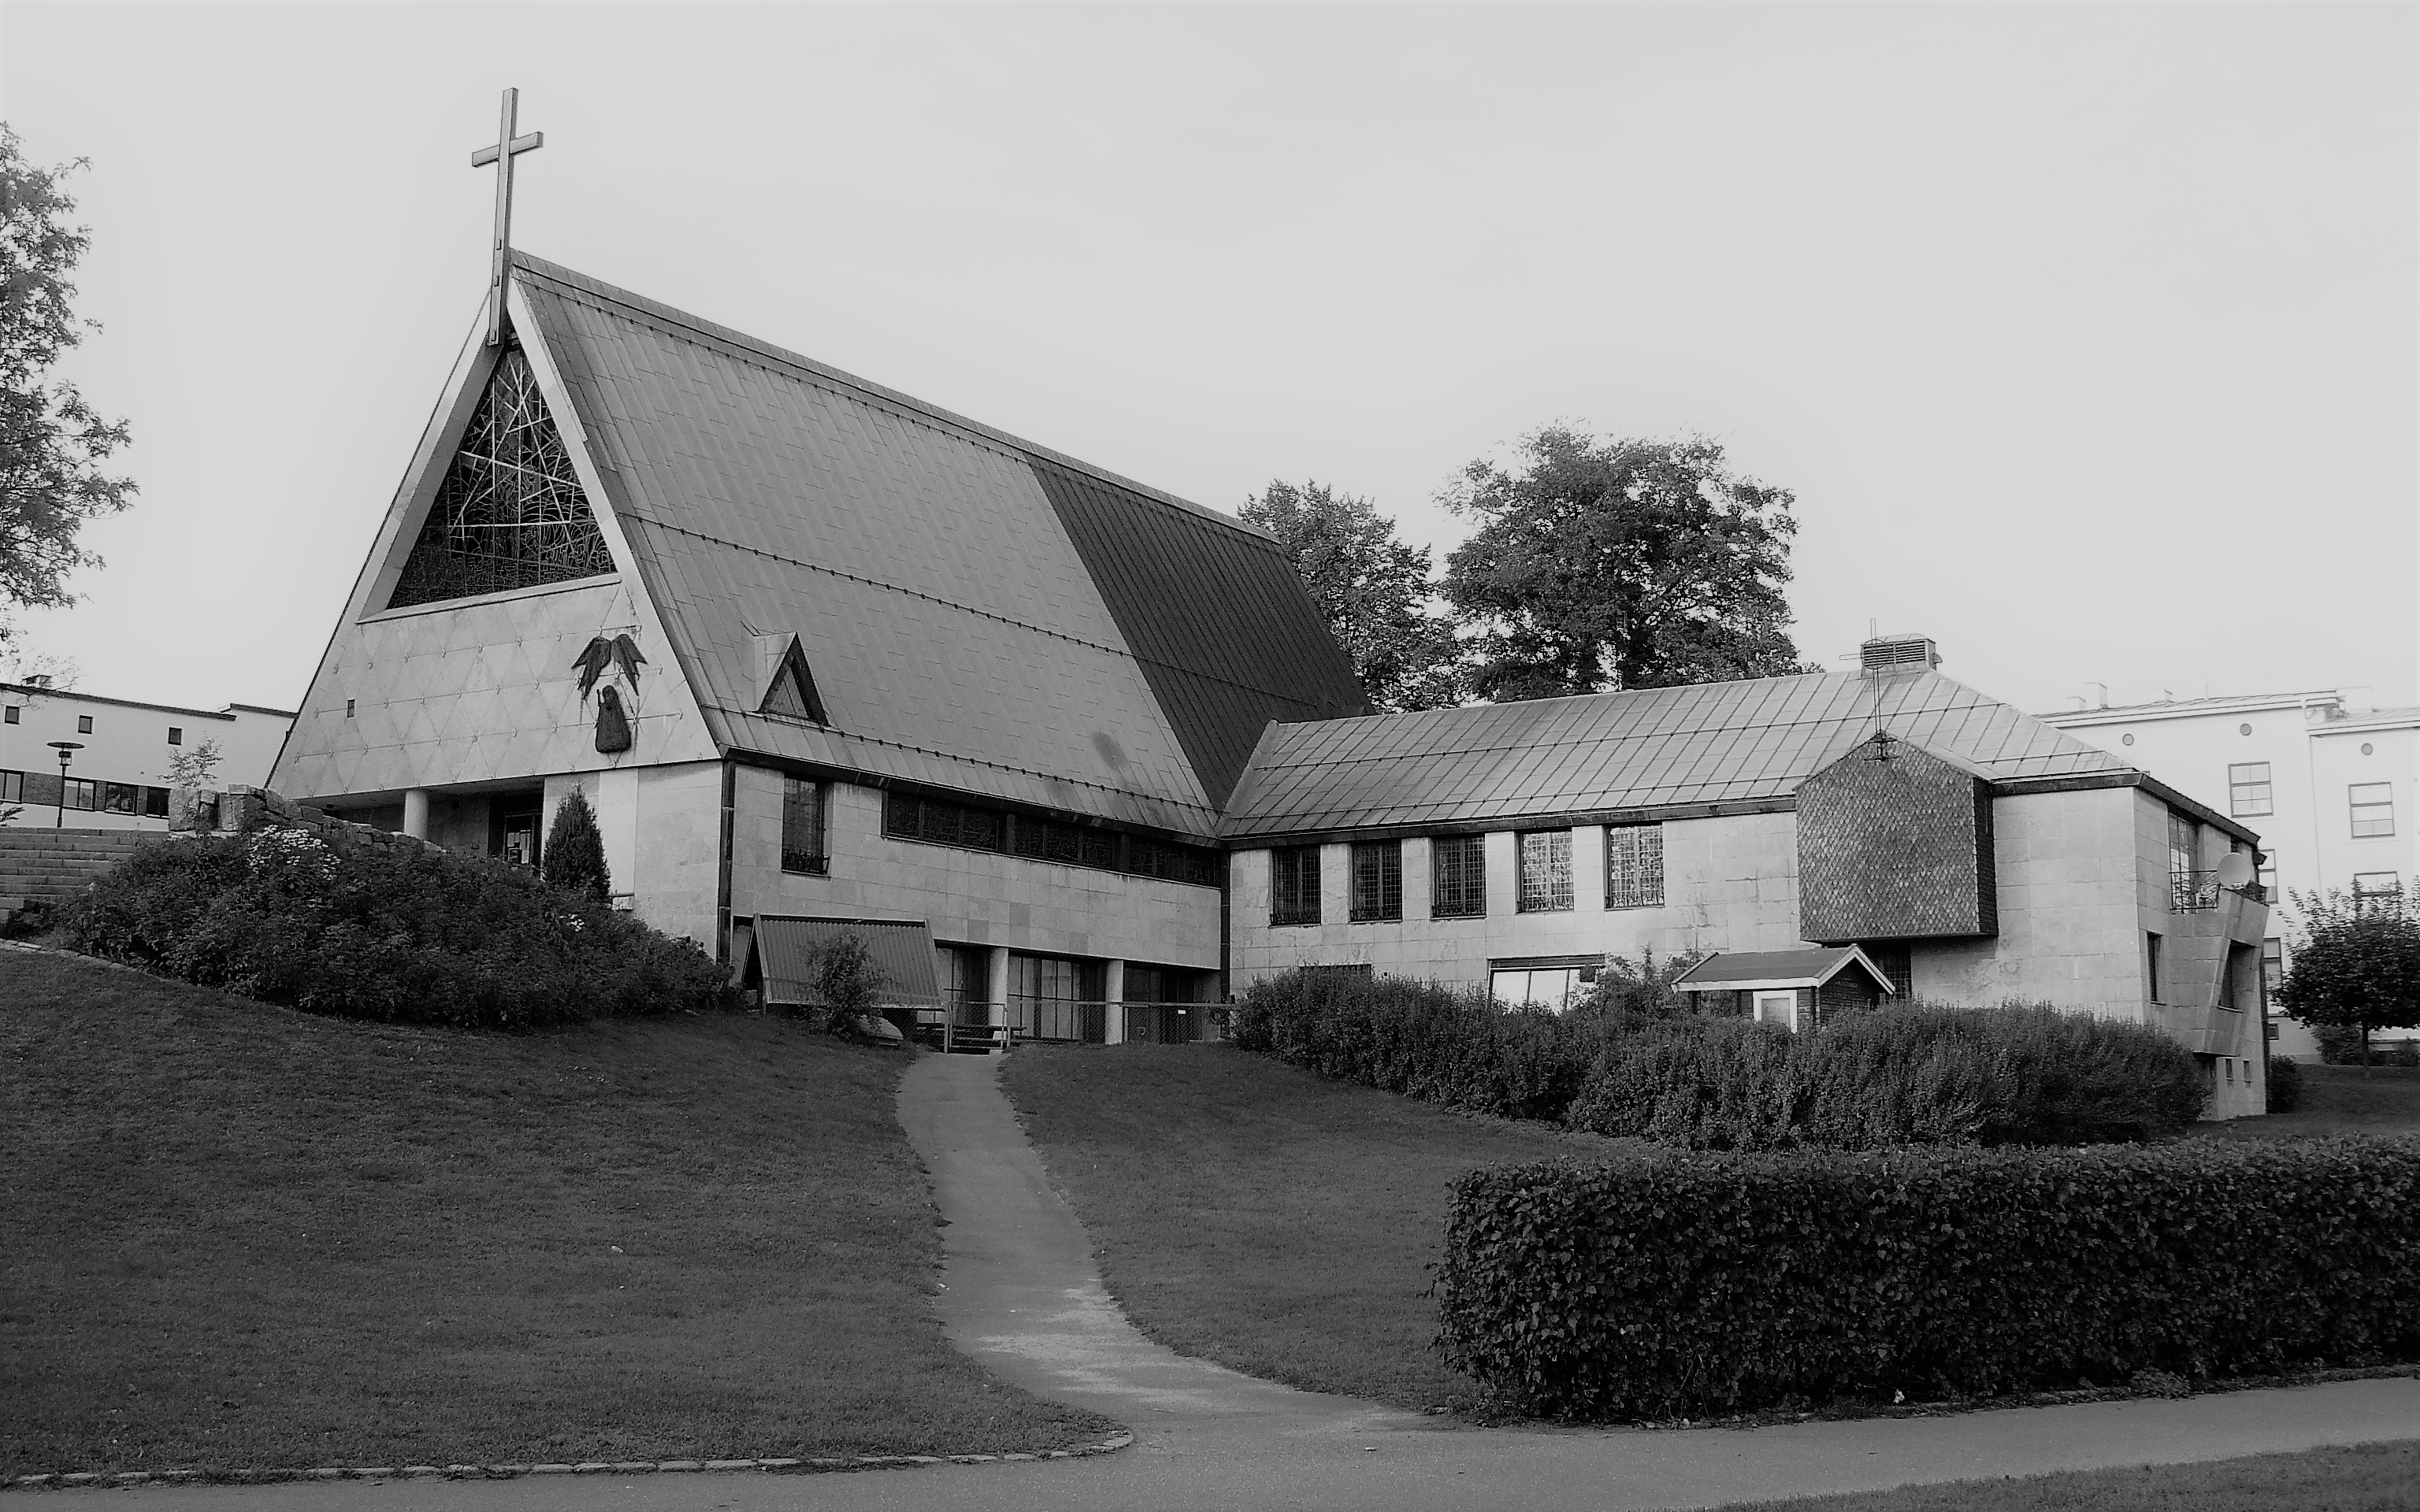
1921 1074
1438 1043
401 933
1695 1285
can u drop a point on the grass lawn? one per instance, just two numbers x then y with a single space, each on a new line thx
2366 1477
239 1235
1258 1216
2338 1099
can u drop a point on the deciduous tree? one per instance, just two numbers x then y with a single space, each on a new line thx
1601 564
2358 965
52 443
1370 588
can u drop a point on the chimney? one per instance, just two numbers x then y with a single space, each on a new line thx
1899 654
2100 694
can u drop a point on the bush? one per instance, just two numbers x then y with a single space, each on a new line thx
382 930
1423 1040
1690 1284
574 858
2285 1084
1916 1074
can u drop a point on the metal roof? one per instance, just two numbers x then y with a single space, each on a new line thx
1699 743
980 613
1731 970
902 948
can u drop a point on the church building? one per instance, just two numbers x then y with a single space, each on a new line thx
818 652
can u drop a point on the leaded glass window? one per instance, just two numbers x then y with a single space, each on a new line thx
1634 866
1293 884
1546 867
1378 880
510 512
802 827
1458 876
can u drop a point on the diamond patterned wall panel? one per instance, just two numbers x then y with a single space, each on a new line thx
1895 844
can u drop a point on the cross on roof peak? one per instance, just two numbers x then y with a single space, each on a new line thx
508 147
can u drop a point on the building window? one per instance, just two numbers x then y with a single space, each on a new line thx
1049 839
1544 880
2373 810
1553 982
1293 884
1458 876
12 787
2272 964
83 725
803 805
176 734
10 714
82 793
155 803
1170 861
2268 875
2151 960
2248 791
936 822
1634 866
1378 880
2368 885
2190 889
122 798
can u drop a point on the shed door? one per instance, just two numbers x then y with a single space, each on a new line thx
1778 1007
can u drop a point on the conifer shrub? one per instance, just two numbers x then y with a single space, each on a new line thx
1438 1044
1918 1073
1690 1284
403 932
574 858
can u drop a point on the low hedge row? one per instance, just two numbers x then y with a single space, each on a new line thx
1917 1073
405 933
1423 1040
1912 1073
1694 1285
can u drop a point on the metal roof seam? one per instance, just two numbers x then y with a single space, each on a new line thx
775 358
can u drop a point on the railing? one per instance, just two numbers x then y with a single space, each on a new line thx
2192 892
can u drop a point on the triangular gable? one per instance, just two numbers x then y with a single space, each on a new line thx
791 693
509 512
1772 970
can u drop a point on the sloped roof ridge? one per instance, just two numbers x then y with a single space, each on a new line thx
808 367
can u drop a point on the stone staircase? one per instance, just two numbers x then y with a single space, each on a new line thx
50 866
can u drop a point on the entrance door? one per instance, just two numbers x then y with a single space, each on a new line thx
1778 1007
512 831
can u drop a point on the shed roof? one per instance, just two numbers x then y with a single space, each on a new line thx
980 613
1702 742
780 952
1814 965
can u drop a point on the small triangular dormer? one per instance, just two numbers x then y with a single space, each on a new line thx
789 686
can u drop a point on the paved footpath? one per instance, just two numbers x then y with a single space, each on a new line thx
1025 1299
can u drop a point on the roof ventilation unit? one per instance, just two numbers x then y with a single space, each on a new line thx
1899 654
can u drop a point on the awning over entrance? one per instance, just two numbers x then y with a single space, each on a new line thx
780 955
1735 971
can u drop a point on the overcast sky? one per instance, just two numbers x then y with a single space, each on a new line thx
2085 335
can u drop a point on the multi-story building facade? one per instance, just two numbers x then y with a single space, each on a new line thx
2329 778
116 776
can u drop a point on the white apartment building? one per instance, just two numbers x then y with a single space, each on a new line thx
2329 781
116 773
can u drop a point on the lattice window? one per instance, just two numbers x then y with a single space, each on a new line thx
1458 876
1378 880
510 512
1634 866
802 827
1293 884
1546 866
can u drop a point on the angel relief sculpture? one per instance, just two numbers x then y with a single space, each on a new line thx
619 657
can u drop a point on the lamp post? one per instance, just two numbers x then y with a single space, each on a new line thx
67 750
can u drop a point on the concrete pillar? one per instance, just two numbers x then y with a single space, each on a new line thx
1113 989
996 983
415 813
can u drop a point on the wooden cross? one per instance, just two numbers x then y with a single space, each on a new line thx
507 146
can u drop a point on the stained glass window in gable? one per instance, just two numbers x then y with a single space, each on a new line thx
510 512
